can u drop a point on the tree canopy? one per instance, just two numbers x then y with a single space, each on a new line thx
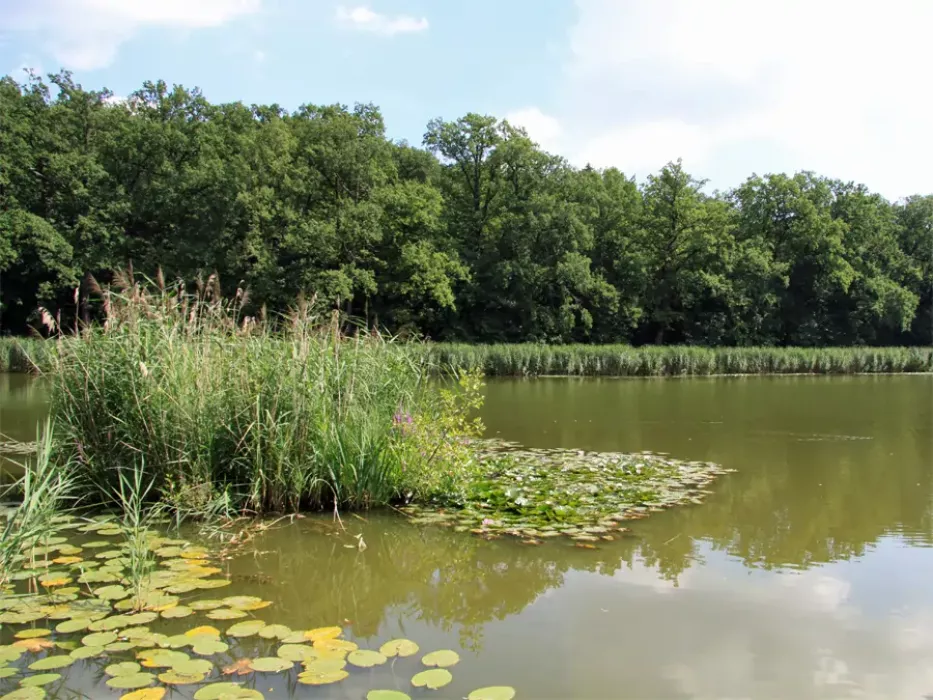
477 235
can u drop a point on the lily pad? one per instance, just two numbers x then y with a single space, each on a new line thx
124 668
27 693
203 631
364 658
399 647
131 681
495 692
33 633
173 677
275 632
225 614
111 593
50 663
296 652
177 612
227 691
75 625
88 652
10 653
321 678
384 695
271 664
320 633
40 679
193 667
443 658
208 646
144 694
162 658
206 604
335 645
7 671
245 629
98 639
433 679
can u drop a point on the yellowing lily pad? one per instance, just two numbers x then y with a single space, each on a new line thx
320 633
173 677
495 692
162 658
144 694
271 664
335 645
296 652
399 647
203 630
227 691
364 658
321 678
193 667
50 663
131 681
443 658
245 629
433 679
33 633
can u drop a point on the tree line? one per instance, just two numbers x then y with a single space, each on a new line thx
477 235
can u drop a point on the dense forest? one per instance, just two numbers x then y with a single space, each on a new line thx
476 235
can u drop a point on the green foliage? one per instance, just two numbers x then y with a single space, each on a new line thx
216 407
652 361
479 236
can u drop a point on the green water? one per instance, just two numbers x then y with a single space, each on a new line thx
806 575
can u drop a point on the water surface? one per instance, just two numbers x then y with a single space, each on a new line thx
807 574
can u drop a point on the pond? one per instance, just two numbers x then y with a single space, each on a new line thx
805 574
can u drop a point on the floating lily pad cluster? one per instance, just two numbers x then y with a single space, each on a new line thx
537 494
72 603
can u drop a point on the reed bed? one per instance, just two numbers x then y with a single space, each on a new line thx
24 354
213 405
523 360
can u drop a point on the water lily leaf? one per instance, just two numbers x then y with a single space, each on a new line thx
241 601
323 633
271 664
275 632
384 695
364 658
27 693
240 667
10 653
75 625
7 671
495 692
296 637
98 639
399 647
111 593
51 581
442 658
203 631
142 618
177 612
119 646
325 665
86 652
225 614
296 652
144 694
209 583
131 681
335 645
227 691
208 646
433 679
245 629
50 663
108 623
67 560
123 669
34 645
96 544
162 658
110 532
321 678
173 677
33 633
40 679
193 667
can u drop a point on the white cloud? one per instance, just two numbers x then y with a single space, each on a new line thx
87 34
259 56
542 129
734 86
364 19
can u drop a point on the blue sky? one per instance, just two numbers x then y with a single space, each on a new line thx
731 86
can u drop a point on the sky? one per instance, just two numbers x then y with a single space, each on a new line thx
733 87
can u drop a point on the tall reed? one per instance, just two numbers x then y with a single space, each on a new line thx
625 361
219 404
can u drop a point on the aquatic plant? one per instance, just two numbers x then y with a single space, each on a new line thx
529 359
266 415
